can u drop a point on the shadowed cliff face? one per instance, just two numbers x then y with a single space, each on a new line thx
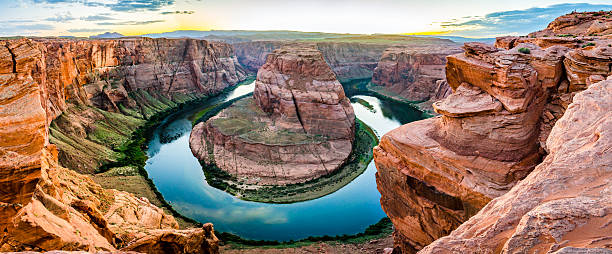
135 78
347 60
44 206
492 132
414 74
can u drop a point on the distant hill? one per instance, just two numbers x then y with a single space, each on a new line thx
459 39
236 36
107 35
244 35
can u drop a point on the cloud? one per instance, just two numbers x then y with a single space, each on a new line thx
517 22
61 17
139 5
177 12
86 30
100 17
120 5
129 23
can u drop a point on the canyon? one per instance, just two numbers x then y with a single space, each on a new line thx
414 75
516 161
70 86
481 162
298 126
349 57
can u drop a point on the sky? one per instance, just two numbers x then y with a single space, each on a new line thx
469 18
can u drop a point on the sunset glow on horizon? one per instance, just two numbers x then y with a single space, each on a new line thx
475 18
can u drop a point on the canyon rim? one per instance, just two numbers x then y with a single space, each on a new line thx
474 133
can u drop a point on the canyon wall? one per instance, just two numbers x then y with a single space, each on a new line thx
106 88
349 60
414 75
298 126
493 130
44 206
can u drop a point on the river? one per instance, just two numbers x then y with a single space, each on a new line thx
178 175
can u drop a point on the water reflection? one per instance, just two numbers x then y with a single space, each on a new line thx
179 177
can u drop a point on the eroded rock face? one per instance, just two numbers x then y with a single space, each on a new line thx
297 85
44 206
492 132
414 74
298 126
347 60
565 202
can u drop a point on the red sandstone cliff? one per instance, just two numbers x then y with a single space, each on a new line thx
298 126
565 204
415 75
44 206
434 174
348 59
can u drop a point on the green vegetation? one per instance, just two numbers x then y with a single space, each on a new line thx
244 119
366 104
588 45
524 50
365 140
567 35
381 229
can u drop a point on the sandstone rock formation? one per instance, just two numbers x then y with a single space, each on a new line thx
566 202
133 77
298 126
44 206
436 173
414 75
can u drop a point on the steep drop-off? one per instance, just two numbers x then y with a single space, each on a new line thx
436 173
298 126
413 75
105 89
44 206
349 58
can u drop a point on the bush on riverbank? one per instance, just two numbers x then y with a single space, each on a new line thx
381 229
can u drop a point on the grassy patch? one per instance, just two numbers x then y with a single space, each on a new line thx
381 229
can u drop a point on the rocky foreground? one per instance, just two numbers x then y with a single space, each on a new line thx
494 129
44 206
298 126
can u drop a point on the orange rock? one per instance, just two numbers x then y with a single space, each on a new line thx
44 206
493 130
298 126
565 202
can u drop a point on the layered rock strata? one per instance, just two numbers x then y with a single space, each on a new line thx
493 130
348 60
565 204
414 75
298 126
44 206
135 78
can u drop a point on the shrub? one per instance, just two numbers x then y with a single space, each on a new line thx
524 50
588 45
